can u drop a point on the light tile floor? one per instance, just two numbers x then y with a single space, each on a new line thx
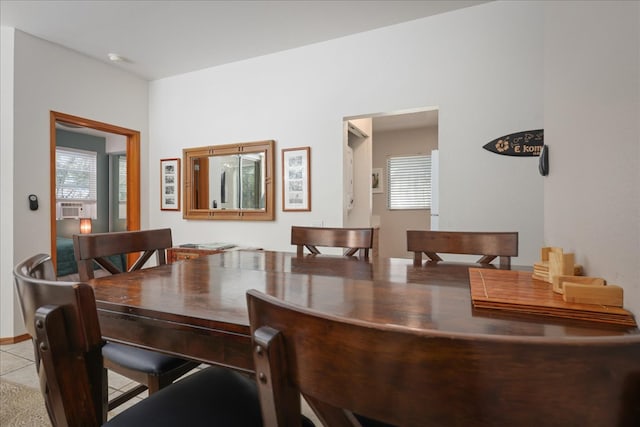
17 366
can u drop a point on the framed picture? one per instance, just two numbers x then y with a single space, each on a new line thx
377 180
296 179
170 184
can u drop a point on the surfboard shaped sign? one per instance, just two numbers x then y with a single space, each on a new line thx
527 143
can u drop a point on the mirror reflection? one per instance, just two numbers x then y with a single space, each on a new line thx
229 181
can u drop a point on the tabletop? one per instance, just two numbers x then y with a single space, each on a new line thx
197 308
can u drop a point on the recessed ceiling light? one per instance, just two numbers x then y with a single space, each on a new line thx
115 57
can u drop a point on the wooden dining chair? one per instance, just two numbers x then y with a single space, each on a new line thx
96 248
62 319
152 370
354 240
417 377
487 244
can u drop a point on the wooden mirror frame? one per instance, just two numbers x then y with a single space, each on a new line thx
191 212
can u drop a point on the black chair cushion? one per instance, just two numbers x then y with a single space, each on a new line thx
368 422
213 396
149 362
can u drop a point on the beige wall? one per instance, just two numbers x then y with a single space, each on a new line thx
394 224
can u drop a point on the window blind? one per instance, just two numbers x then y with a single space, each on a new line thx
122 180
409 182
75 174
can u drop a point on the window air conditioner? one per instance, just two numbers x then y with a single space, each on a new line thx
68 210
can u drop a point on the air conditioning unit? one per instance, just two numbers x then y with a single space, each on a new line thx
67 210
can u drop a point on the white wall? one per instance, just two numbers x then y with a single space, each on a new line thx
115 143
491 69
7 307
360 213
482 67
48 77
592 126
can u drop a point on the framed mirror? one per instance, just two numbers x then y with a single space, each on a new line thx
233 182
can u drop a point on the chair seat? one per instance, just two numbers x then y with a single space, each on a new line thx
211 397
138 359
151 370
368 422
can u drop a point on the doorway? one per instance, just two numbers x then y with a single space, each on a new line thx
397 134
132 151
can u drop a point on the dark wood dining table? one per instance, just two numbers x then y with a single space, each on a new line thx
197 308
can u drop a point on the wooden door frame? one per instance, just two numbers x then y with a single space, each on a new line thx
133 168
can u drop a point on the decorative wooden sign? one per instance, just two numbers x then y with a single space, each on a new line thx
527 143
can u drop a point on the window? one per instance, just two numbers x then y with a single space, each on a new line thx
409 182
75 174
122 179
122 186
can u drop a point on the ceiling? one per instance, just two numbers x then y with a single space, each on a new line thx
404 120
158 39
164 38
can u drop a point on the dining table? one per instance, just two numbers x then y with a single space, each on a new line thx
196 308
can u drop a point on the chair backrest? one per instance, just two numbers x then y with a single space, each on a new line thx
488 244
97 247
410 377
62 320
353 239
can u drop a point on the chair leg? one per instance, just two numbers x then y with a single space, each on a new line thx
154 383
505 262
351 252
486 259
433 256
417 258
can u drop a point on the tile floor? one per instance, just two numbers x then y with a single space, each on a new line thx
17 366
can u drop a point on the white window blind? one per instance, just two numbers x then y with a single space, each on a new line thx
75 174
122 179
409 182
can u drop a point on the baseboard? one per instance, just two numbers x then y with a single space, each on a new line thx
14 340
